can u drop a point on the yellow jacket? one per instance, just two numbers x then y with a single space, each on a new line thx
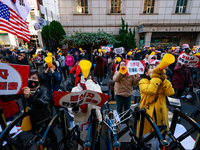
148 91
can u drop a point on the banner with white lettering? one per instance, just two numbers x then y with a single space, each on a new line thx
71 99
107 49
13 78
191 61
119 50
135 66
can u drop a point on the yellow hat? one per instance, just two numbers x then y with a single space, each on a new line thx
149 48
136 48
173 48
104 51
139 51
118 59
12 49
60 53
129 53
195 46
190 49
99 50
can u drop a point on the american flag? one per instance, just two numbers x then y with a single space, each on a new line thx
11 22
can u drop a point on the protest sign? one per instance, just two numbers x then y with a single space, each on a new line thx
111 46
71 99
134 67
154 62
107 49
119 50
13 78
191 61
36 59
185 46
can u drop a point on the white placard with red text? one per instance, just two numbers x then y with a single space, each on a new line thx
154 62
13 78
135 66
107 49
119 50
71 99
191 61
36 59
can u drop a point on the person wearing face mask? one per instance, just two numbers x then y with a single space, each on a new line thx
153 88
69 61
123 88
36 96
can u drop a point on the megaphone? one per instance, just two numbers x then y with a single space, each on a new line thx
167 60
49 54
49 61
153 53
81 50
26 123
118 59
129 53
122 70
85 66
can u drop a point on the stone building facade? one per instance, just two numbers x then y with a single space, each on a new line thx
167 22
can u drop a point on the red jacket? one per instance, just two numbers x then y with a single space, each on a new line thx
78 71
9 108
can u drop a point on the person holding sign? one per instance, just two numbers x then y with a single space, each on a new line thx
123 87
153 88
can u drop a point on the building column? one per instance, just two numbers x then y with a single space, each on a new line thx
198 39
147 39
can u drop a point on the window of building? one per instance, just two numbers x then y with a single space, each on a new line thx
82 6
148 6
181 6
116 6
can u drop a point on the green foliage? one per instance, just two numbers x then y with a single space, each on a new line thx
126 37
83 38
45 31
56 31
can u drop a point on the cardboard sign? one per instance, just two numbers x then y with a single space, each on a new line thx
107 49
154 62
71 99
191 61
36 59
119 50
13 78
136 66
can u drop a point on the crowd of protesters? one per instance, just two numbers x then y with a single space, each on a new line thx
43 80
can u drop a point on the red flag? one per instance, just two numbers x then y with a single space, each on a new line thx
11 22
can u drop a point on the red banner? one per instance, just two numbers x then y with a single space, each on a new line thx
191 61
70 99
13 78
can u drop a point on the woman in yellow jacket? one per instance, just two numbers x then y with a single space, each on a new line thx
153 90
